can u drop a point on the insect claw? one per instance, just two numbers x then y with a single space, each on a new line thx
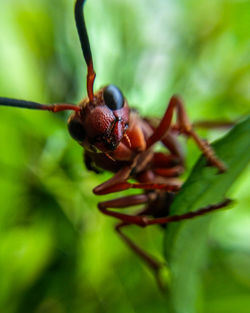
162 277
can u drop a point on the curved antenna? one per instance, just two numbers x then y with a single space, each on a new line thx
84 40
37 106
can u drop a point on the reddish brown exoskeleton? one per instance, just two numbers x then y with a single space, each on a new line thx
115 138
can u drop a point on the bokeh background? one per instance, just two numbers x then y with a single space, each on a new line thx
57 252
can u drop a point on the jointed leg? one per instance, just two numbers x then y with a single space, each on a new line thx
171 142
167 165
161 159
184 126
146 186
143 221
150 261
169 172
119 177
188 215
164 125
125 202
214 124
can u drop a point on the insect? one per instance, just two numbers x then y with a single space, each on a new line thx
115 138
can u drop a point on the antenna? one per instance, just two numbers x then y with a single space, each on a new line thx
37 106
84 40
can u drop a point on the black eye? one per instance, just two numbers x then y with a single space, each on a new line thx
76 130
113 97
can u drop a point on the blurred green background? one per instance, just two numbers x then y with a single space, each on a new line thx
57 252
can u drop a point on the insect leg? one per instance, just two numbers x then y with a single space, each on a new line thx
119 183
161 130
124 185
161 159
167 165
149 260
169 140
143 221
173 145
119 177
185 127
213 124
189 215
125 202
169 172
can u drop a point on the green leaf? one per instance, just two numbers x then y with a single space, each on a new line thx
185 242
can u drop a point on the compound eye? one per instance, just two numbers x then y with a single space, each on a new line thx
113 97
76 130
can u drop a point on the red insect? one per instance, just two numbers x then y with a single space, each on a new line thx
115 138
